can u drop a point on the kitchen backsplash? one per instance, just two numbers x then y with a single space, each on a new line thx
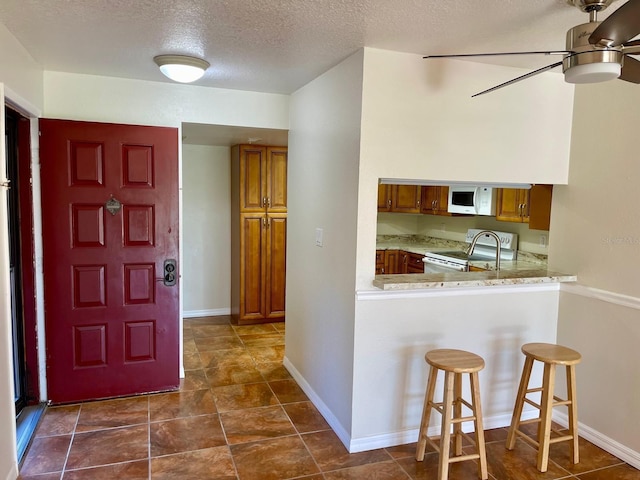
426 242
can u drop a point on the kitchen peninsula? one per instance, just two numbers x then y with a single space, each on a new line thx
487 278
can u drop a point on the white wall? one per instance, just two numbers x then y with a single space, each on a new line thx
394 330
206 225
21 85
108 99
595 233
419 121
19 72
324 152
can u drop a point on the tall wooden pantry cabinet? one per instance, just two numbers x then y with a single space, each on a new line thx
258 233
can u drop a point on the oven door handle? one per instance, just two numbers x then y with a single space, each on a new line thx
444 264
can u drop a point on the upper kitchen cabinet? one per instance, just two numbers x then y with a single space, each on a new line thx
399 198
531 206
262 178
435 200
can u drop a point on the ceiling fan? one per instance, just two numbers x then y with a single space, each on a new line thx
595 51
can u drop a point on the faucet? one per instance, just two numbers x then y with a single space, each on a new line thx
486 233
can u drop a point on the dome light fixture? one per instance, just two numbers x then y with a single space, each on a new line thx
181 68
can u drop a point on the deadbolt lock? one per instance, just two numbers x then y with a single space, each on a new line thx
170 272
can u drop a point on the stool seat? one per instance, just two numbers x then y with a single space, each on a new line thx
550 353
456 361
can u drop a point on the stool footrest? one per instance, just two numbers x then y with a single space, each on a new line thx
527 438
563 438
462 458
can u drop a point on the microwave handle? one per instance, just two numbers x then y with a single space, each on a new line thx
476 199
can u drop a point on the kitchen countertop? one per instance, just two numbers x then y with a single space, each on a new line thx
469 279
527 269
525 261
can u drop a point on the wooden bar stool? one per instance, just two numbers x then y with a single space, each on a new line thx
550 355
454 363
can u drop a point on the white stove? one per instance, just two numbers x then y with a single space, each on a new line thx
485 249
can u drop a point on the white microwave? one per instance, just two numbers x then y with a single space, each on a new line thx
472 200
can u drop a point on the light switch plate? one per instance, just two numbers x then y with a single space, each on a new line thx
319 237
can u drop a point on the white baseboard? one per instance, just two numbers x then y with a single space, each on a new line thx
328 415
206 313
607 444
409 436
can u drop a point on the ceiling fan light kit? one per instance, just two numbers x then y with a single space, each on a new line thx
595 51
181 68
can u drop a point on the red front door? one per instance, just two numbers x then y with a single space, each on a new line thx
110 235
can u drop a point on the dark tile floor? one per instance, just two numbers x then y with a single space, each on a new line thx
240 415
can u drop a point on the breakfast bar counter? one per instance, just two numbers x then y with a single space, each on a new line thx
469 279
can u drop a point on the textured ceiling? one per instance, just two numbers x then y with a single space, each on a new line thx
275 46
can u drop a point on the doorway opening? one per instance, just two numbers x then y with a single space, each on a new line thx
21 272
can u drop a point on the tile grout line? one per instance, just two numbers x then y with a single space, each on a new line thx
73 436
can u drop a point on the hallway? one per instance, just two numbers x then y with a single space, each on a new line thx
240 415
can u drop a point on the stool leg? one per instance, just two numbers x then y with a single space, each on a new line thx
573 413
457 413
479 426
546 405
426 414
517 409
445 434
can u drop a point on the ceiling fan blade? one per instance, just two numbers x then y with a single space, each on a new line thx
619 27
630 70
631 48
530 74
546 52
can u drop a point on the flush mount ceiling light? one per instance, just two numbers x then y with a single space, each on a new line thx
181 68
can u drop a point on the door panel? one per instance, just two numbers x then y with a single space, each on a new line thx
276 248
277 180
110 220
253 178
252 263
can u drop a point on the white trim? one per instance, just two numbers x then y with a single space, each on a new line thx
607 444
20 104
324 410
411 435
215 312
461 291
13 473
604 295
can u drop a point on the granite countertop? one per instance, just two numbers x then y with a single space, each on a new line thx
417 244
469 279
527 269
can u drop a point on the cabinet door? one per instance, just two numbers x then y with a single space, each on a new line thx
435 200
430 197
406 198
276 179
511 204
540 206
252 266
443 200
276 249
380 262
391 261
384 198
253 178
415 263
